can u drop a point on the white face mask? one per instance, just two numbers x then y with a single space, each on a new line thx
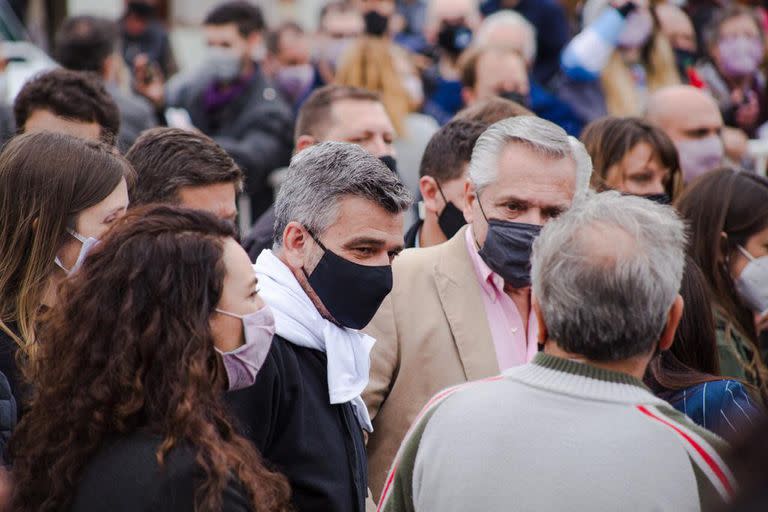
243 364
752 284
88 243
223 63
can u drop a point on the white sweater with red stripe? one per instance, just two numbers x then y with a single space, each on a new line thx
556 435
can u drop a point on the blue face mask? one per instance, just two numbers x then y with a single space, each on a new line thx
507 249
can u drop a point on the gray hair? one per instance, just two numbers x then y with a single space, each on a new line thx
606 273
537 134
321 175
510 21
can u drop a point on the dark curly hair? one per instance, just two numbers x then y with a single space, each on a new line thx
130 347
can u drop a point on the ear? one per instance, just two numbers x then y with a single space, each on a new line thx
468 96
469 201
294 247
673 320
303 142
543 332
430 194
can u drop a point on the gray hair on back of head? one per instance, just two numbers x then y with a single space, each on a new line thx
606 274
511 21
321 175
538 135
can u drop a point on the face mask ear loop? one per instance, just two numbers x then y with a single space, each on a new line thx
480 204
440 189
318 242
746 253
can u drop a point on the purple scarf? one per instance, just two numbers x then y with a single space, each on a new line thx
215 98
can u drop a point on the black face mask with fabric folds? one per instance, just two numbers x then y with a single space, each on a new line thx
352 293
451 219
375 24
507 249
454 38
390 162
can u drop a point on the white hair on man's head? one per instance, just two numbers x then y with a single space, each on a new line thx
535 133
433 9
509 21
606 273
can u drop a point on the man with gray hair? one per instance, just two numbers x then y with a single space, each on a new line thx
576 429
339 224
461 311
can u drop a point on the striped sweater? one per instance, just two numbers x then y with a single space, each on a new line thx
556 435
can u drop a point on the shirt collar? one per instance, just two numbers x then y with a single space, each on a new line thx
491 283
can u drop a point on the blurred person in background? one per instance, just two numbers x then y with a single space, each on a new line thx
634 157
503 71
85 43
732 75
233 102
339 25
289 63
472 317
552 31
692 120
377 65
184 168
380 17
727 212
491 110
687 375
143 34
449 30
443 173
624 48
339 226
70 102
143 336
678 28
333 113
58 195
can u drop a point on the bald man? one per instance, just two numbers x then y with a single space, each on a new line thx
692 120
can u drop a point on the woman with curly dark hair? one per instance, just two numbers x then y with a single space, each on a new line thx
127 411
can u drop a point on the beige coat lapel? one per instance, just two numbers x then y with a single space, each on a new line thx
460 295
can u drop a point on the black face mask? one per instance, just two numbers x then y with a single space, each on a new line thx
517 97
375 24
454 38
351 293
390 162
685 60
658 198
507 249
451 219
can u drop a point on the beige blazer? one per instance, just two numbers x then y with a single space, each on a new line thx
431 333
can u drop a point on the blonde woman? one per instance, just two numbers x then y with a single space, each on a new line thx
379 66
623 47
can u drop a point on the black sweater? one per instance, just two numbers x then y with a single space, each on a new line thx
288 415
124 477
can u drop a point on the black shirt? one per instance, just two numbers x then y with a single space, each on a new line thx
8 364
319 446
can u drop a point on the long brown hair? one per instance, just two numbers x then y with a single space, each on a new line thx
735 203
692 359
130 347
370 64
46 180
657 58
609 139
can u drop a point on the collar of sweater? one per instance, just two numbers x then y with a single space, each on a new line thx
582 380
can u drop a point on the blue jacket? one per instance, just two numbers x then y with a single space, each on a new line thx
723 407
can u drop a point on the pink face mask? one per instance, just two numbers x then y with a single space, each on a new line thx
243 364
740 56
699 156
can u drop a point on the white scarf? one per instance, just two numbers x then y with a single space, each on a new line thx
297 320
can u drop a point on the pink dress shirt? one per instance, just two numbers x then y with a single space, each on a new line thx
514 346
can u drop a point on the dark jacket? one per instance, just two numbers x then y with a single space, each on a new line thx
412 233
256 129
262 234
136 115
8 363
288 415
8 417
124 476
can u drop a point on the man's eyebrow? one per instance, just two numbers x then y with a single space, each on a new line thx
513 199
364 240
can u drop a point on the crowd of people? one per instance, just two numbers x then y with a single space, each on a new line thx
441 255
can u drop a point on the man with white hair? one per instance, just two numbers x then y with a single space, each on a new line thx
576 429
338 225
461 311
509 29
